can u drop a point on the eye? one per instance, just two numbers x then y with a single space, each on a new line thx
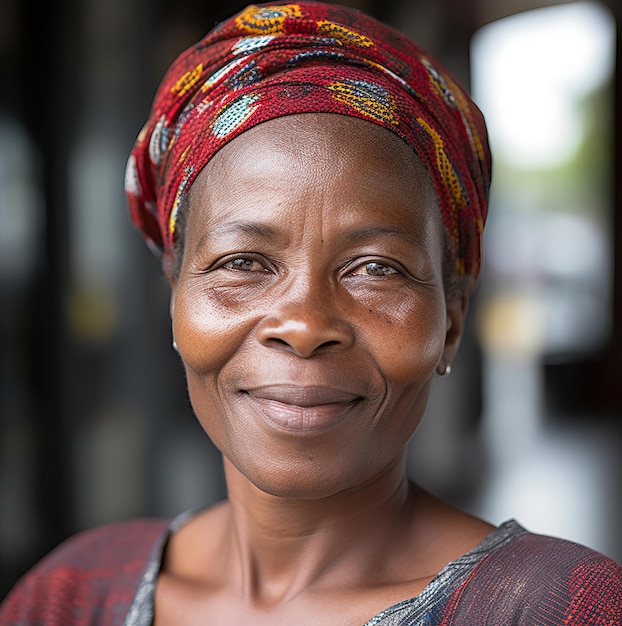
243 264
374 268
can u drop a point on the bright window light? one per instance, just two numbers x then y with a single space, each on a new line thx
529 73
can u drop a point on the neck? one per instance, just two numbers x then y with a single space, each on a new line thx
280 546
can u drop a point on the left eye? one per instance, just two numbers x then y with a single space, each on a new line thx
243 264
373 268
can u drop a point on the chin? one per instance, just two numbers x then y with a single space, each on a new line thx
308 480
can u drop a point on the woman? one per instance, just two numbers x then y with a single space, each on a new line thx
318 187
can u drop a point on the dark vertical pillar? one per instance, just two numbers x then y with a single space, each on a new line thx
50 88
602 379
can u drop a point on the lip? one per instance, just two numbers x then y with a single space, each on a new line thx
302 409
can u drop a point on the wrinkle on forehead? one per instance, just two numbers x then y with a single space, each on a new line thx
329 140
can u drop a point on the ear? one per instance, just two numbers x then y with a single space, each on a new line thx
171 305
457 308
168 265
171 308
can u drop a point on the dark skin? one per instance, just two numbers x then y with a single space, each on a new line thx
311 317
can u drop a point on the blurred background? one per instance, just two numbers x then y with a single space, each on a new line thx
95 425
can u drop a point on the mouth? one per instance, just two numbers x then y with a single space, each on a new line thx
302 409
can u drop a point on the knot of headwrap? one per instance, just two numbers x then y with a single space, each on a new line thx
283 59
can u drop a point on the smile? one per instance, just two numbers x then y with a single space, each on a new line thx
302 409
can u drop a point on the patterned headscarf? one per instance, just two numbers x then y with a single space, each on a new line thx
282 59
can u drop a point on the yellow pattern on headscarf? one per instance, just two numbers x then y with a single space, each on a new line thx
342 34
465 111
172 220
368 99
187 81
445 168
266 20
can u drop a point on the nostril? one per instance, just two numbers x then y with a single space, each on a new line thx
277 341
328 344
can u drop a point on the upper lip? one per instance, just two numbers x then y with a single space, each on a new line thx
303 396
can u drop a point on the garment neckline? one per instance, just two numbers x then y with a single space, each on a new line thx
454 572
142 608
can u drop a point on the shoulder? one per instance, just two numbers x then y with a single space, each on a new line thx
539 580
94 573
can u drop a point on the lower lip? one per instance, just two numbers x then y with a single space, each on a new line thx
302 419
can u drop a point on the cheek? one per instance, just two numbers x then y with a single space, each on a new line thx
208 332
409 337
409 345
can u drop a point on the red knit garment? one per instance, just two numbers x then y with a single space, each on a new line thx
284 59
519 579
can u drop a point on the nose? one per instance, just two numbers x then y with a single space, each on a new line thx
305 328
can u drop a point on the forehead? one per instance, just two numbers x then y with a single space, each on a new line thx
366 156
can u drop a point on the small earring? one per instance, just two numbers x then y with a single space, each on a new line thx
175 346
446 372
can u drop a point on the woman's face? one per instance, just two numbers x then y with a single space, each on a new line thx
309 310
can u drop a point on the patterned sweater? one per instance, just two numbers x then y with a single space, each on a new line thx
106 576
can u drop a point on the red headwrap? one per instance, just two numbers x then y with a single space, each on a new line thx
282 59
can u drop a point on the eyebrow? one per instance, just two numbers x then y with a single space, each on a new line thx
248 228
265 231
370 232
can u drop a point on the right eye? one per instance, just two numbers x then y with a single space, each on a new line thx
374 268
244 262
